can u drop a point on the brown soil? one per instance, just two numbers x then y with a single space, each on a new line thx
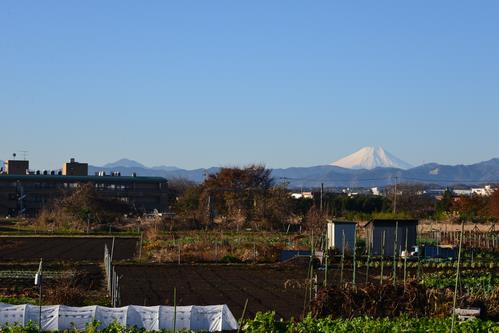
64 248
266 287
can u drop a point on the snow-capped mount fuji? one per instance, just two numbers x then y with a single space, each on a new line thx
333 176
370 158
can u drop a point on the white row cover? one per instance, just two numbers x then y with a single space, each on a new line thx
213 318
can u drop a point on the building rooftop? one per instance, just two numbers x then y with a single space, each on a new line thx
123 179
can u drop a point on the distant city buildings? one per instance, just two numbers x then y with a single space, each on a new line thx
25 191
482 191
74 168
302 195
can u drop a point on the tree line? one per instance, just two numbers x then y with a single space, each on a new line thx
248 197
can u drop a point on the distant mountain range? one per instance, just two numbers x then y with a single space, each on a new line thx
335 176
126 163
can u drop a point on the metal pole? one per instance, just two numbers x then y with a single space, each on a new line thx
113 293
174 310
40 305
40 290
457 278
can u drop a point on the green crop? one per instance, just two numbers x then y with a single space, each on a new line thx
267 323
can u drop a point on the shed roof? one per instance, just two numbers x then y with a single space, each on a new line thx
408 221
341 222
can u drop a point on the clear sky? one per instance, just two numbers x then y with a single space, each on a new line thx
285 83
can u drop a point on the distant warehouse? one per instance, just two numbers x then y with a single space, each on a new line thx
26 192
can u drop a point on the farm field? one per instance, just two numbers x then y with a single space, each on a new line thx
267 287
22 275
281 287
29 248
73 283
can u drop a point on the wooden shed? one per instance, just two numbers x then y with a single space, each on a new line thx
396 232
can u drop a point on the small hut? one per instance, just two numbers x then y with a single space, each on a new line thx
396 232
339 231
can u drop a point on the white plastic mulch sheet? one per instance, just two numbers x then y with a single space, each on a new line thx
213 318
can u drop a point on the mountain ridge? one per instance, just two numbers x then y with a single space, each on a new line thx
332 176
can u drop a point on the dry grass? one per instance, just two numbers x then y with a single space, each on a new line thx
215 246
413 299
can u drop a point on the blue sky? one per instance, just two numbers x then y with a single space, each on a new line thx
285 83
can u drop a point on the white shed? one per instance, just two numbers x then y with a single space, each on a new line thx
339 231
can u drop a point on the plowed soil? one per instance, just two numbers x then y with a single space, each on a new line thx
65 248
267 287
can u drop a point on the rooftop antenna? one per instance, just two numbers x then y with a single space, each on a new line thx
25 153
14 156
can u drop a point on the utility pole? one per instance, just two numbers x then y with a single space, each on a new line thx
322 195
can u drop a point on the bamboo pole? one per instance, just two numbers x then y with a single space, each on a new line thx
405 258
242 316
418 272
382 256
178 252
457 278
311 267
112 249
308 289
254 251
354 258
140 246
342 256
368 256
395 251
326 260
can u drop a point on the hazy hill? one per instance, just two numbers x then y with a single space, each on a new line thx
483 172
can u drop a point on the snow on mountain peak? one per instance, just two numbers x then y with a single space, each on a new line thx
370 158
